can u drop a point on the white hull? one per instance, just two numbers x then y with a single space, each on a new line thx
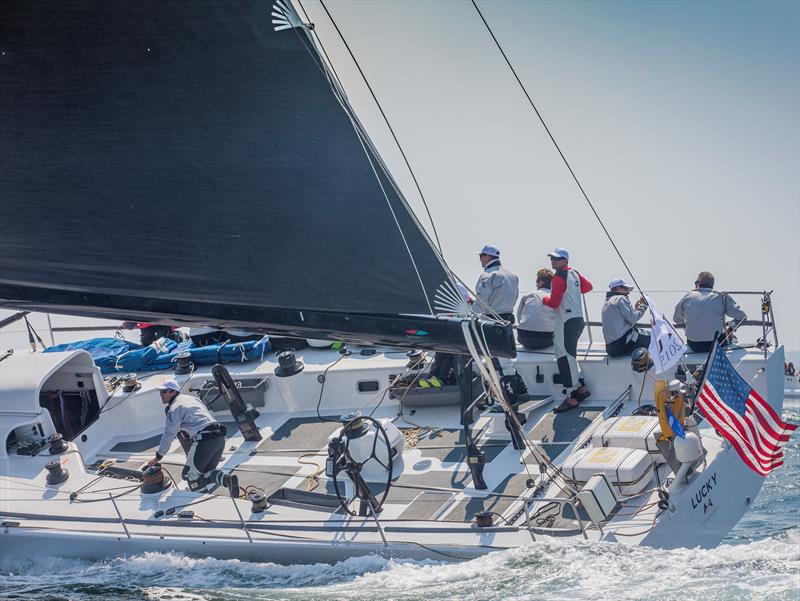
42 520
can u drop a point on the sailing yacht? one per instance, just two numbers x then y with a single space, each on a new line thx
228 121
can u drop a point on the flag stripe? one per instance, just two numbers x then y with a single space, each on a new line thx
756 419
742 416
715 415
745 453
762 449
733 419
775 417
765 414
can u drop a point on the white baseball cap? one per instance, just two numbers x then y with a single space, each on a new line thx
619 282
169 385
559 253
490 249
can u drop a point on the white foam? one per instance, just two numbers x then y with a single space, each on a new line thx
562 570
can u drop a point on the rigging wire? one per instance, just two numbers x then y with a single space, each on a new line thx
386 120
558 148
309 28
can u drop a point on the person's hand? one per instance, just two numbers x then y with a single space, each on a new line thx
152 462
641 303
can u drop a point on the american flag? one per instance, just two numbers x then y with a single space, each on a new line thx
746 420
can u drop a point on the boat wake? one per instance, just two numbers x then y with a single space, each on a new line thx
765 568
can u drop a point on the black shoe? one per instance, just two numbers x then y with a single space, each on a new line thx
582 393
231 482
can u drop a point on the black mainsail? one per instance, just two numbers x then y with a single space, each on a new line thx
190 162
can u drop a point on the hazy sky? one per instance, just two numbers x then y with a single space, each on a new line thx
681 120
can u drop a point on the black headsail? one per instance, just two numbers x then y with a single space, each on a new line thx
189 162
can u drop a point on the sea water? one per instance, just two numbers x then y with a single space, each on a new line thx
760 559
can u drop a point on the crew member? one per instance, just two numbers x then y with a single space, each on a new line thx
536 320
187 414
497 291
703 310
497 287
565 297
619 320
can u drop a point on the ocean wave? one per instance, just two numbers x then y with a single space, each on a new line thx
763 569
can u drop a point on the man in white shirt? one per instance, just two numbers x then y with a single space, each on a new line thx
535 320
620 318
497 289
188 414
703 310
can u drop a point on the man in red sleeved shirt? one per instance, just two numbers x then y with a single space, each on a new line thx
565 298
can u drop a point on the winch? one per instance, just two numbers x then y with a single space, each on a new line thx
153 481
55 473
57 444
641 360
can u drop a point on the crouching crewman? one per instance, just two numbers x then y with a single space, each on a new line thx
188 414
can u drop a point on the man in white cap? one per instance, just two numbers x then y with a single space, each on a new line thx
566 289
620 318
497 291
497 287
188 414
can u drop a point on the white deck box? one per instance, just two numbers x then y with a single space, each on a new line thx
598 498
632 432
628 470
